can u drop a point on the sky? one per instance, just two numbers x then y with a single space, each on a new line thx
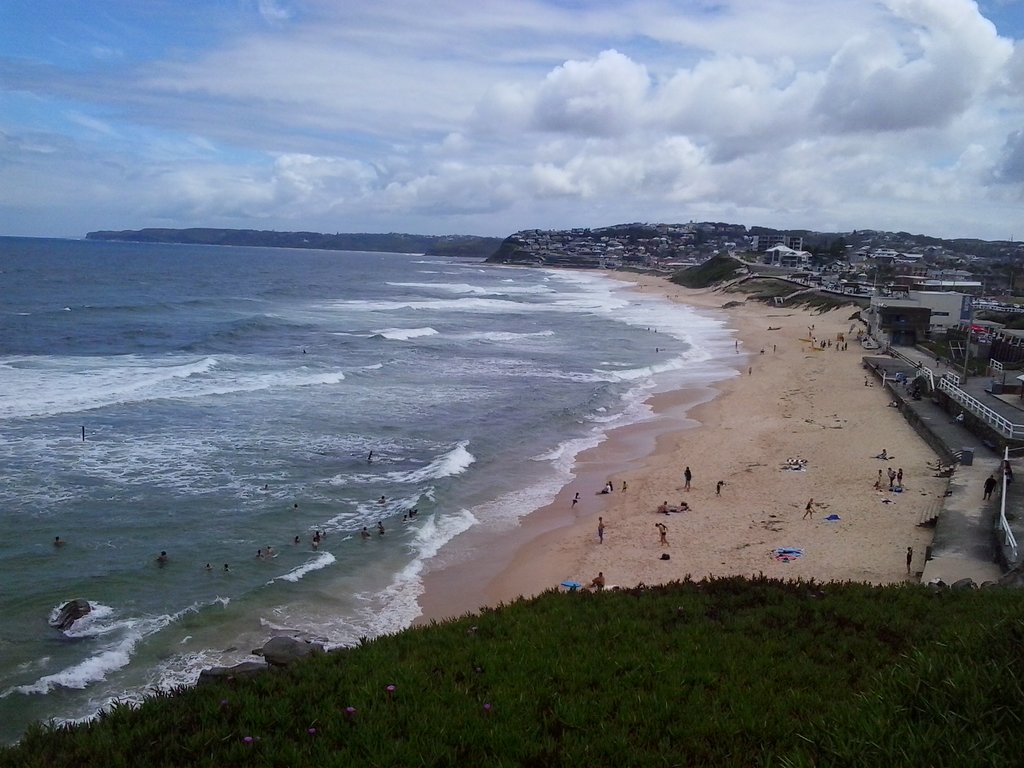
488 116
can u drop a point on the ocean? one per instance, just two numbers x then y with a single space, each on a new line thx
213 402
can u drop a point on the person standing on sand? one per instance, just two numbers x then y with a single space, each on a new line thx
910 557
809 510
990 485
879 481
600 530
892 477
663 532
899 477
687 477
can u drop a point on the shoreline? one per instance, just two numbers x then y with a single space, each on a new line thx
789 401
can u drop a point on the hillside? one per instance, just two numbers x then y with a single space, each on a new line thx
728 672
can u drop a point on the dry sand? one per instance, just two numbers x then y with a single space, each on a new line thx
789 402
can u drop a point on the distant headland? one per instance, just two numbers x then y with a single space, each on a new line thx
469 246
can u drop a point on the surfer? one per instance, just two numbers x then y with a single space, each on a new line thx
369 457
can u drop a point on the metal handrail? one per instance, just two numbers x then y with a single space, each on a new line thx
1001 424
1009 540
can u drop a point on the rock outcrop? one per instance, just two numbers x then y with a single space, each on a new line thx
71 612
282 651
245 670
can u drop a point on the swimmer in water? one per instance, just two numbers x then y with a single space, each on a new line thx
57 541
208 568
162 558
364 533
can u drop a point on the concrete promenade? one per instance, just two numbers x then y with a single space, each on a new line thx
966 542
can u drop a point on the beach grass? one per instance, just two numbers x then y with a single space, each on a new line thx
729 671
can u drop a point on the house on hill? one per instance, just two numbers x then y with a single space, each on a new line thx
784 256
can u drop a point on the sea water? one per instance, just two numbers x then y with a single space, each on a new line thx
210 402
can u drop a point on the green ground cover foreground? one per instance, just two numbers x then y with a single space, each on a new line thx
729 672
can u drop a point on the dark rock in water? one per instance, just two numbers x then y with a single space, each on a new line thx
71 612
963 584
247 669
282 651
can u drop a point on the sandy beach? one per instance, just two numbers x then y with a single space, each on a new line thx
790 401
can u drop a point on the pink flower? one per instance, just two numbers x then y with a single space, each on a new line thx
390 689
487 708
311 731
248 739
350 712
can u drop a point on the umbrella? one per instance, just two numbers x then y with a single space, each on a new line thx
572 586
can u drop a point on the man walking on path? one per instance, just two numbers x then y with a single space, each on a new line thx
687 477
990 485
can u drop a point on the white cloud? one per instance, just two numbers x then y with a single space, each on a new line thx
490 117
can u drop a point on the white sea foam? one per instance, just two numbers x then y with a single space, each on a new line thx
395 607
455 462
45 386
404 334
322 560
505 335
506 289
127 634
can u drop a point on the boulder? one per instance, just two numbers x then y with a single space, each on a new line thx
246 669
282 651
963 584
70 612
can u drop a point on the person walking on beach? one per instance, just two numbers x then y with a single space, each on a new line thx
718 487
600 530
663 533
576 499
990 485
687 477
809 510
910 557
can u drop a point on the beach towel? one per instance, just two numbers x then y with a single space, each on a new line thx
785 554
832 518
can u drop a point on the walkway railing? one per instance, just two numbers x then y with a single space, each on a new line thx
922 370
1009 540
950 385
